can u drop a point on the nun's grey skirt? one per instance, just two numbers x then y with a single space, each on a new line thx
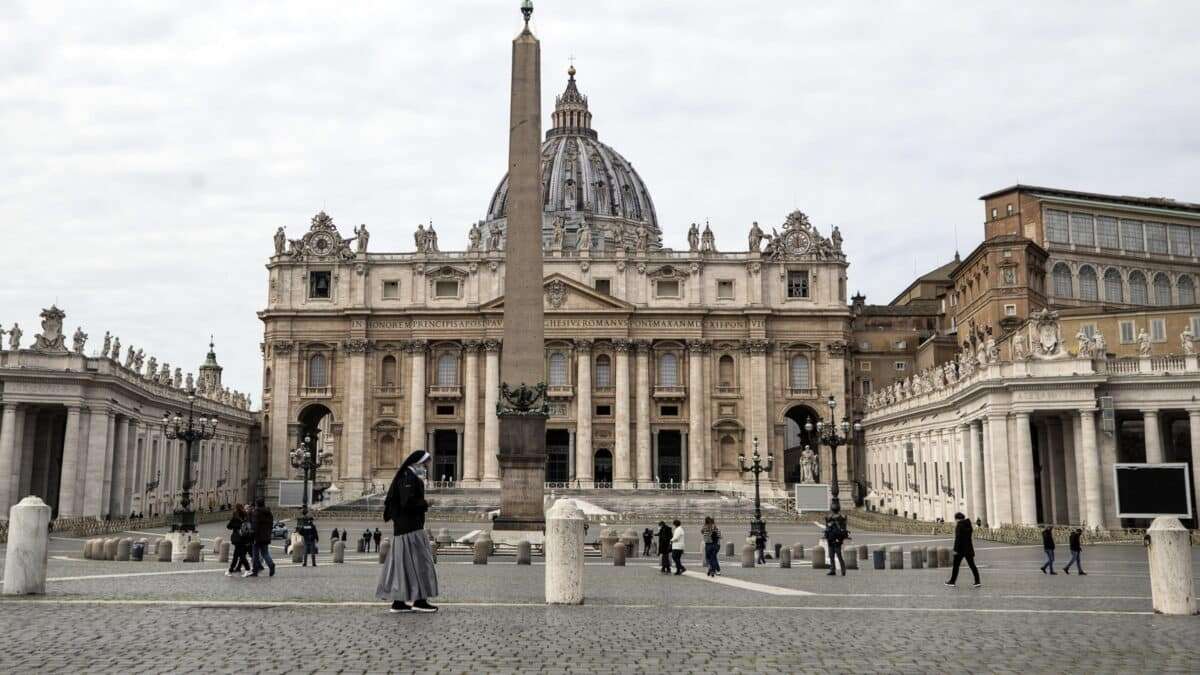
408 573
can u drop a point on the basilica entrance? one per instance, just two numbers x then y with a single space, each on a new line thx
445 455
603 468
796 439
558 455
670 457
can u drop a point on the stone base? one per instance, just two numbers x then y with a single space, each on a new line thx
514 537
179 542
522 473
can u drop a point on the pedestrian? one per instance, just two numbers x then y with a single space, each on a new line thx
333 536
1076 552
345 533
760 545
664 546
712 545
963 548
378 537
835 536
366 540
262 520
647 540
1048 548
242 537
308 532
677 547
408 574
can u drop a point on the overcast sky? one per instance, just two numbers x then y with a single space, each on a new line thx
148 150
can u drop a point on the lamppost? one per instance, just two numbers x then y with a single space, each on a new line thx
305 458
756 466
189 431
827 433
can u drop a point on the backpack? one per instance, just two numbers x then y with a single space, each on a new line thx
245 532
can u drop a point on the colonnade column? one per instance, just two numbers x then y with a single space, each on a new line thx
1194 435
583 413
645 472
1154 449
1025 477
967 485
471 414
1073 464
696 402
1093 506
67 493
416 400
129 486
99 420
491 423
621 474
979 509
1000 484
8 452
113 480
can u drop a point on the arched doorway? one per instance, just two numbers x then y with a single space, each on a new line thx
558 459
670 456
445 455
315 422
795 440
603 468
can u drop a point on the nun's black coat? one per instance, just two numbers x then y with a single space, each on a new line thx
405 506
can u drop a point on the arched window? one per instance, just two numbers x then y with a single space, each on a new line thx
1114 288
1187 290
1162 289
387 371
668 370
725 372
603 371
1139 294
447 370
267 380
558 369
1062 281
318 371
1089 287
800 377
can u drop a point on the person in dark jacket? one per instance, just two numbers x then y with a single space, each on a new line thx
963 548
242 537
408 574
1076 552
345 533
835 536
263 520
308 532
647 541
664 546
760 545
377 536
334 536
1048 548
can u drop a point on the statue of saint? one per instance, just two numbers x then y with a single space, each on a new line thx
473 237
707 241
280 241
1020 346
189 382
79 339
808 465
419 237
106 349
363 237
1099 346
584 238
1143 340
177 380
1083 344
1187 341
116 350
756 237
643 240
693 238
556 236
14 337
836 237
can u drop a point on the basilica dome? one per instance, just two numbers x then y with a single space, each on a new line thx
584 181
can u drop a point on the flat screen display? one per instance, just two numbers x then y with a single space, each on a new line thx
1153 490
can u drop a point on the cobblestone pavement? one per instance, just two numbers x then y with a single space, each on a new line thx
131 617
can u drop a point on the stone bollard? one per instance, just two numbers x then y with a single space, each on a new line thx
785 558
851 561
385 548
820 560
110 548
729 552
482 548
443 537
339 551
916 558
87 549
944 557
619 554
564 554
606 543
123 547
630 538
164 550
297 552
193 552
524 552
216 546
1172 589
747 555
28 539
863 553
880 557
931 557
797 551
895 558
223 552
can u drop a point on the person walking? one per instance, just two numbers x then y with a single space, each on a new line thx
408 574
712 545
378 537
964 548
366 540
308 531
242 537
1048 548
1076 552
263 519
760 546
664 546
648 541
678 544
835 536
345 534
333 536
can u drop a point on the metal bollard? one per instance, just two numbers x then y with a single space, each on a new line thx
895 558
931 557
619 554
1169 548
917 558
880 557
164 550
385 547
524 553
863 554
482 549
785 558
729 552
747 555
944 557
851 561
28 538
564 553
339 551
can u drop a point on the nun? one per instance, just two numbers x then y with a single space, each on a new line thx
408 578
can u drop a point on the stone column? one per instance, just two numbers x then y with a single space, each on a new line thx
282 413
471 414
571 456
1028 496
355 430
128 485
1093 505
1001 481
8 454
416 396
116 469
99 420
645 471
1194 435
1154 449
67 493
1073 465
757 397
621 474
966 447
491 423
583 412
696 402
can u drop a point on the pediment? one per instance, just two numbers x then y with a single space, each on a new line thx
561 293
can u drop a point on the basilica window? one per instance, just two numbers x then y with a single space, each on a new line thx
318 372
725 289
1156 238
800 375
1062 281
446 288
603 286
666 288
1089 288
1056 226
725 371
1187 290
1114 287
797 284
387 371
1162 289
1180 243
1131 236
603 371
1139 294
1082 231
1106 232
319 284
668 370
558 369
391 290
447 370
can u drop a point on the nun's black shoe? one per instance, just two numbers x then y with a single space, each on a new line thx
423 606
398 606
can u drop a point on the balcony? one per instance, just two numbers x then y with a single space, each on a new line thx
560 391
803 392
389 390
669 392
316 392
445 392
728 391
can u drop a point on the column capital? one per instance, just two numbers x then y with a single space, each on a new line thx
642 346
756 346
583 345
471 346
698 347
1022 414
622 346
1150 412
491 345
418 346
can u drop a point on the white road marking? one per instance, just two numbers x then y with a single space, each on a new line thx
747 585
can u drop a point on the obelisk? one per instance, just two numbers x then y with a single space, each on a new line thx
522 408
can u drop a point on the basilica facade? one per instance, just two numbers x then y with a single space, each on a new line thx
663 367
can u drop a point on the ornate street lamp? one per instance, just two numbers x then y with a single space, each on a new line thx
756 466
193 429
828 434
305 458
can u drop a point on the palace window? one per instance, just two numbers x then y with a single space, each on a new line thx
604 411
1139 294
668 411
668 370
391 290
1082 231
603 286
800 375
993 214
444 410
1056 226
1009 209
1062 281
1131 236
899 365
1158 330
1089 329
797 284
447 370
866 386
445 288
558 369
1187 290
1010 310
1162 289
1114 287
725 371
1106 232
319 284
1156 238
1180 242
387 371
1126 332
1089 287
864 366
725 289
1196 325
318 372
603 371
666 288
